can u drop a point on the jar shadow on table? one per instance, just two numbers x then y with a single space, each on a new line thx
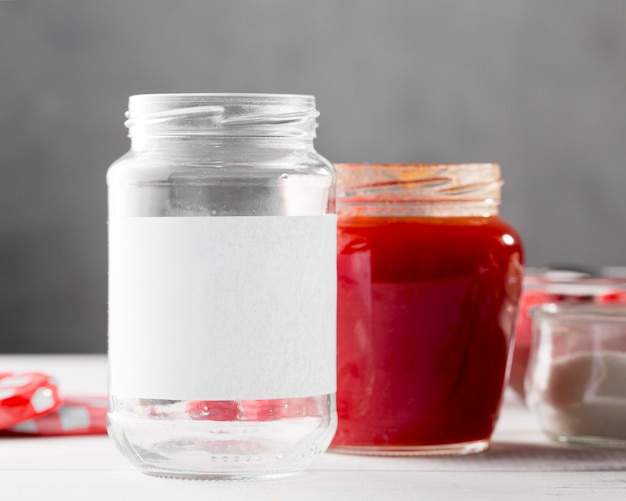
548 457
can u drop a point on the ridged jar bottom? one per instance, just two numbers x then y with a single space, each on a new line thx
224 440
460 449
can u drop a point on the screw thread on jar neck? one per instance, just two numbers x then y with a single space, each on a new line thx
222 115
414 190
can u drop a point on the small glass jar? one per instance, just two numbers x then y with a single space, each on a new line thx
576 377
222 287
429 279
558 286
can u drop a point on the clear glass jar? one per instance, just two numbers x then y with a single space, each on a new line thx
429 279
575 382
222 276
558 286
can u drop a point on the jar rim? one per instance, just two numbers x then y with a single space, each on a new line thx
222 96
580 312
436 189
404 165
222 115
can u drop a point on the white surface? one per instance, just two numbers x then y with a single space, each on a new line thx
175 303
522 464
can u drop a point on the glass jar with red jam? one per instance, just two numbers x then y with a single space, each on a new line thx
429 280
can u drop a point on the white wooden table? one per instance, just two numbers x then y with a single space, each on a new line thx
521 464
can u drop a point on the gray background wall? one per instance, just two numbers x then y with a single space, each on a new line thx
538 86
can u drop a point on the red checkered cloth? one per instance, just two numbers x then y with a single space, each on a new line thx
26 396
84 415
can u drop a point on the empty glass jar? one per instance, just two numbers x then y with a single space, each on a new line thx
222 266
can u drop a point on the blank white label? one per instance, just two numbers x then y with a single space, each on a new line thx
222 308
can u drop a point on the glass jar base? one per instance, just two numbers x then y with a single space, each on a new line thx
218 459
209 461
588 440
222 440
222 476
461 449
